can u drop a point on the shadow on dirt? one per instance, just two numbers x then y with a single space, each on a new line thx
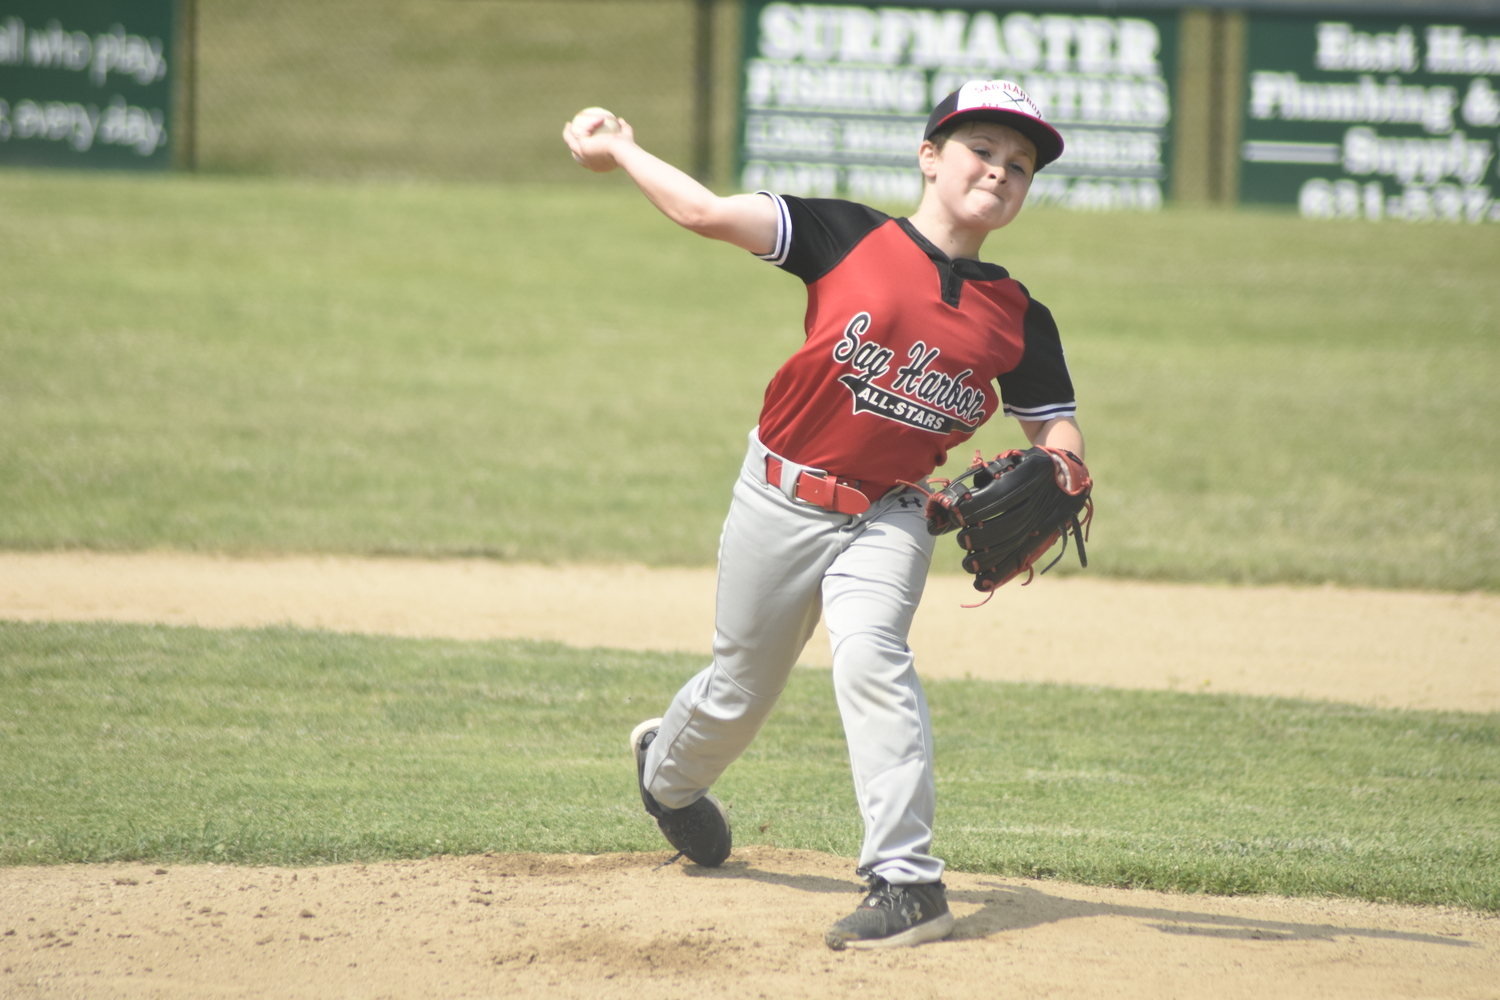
1018 907
733 869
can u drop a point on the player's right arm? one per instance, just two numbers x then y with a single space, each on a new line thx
748 221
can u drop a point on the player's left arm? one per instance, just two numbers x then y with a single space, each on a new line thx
1059 432
1040 387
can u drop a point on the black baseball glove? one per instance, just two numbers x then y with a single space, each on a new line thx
1010 511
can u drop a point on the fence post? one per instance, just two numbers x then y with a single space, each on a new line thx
186 125
1192 134
703 88
1229 74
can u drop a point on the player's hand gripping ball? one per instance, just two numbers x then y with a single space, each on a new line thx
608 123
1009 512
591 137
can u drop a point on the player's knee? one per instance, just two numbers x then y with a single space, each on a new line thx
864 655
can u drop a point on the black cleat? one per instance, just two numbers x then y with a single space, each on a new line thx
701 830
894 916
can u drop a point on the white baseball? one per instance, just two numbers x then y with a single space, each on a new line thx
608 126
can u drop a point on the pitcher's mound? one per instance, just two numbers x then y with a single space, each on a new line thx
522 926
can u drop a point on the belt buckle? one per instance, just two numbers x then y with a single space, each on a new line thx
826 491
820 491
830 494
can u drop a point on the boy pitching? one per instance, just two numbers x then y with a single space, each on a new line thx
908 336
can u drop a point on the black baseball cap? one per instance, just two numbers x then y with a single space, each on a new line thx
998 101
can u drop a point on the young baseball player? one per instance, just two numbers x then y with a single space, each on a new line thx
908 336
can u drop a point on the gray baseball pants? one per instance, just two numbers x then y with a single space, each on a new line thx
782 563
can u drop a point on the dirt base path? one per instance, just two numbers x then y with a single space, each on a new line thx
1384 648
612 927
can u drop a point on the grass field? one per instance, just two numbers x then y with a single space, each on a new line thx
287 747
541 373
253 365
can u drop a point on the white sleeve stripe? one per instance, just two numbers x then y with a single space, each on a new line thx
783 243
1042 412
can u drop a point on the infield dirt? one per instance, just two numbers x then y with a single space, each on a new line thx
531 926
1389 649
614 926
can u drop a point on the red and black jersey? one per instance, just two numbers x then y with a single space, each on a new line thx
904 347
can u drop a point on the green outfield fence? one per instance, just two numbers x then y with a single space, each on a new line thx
456 89
478 89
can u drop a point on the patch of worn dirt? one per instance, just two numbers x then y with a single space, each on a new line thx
617 927
1371 647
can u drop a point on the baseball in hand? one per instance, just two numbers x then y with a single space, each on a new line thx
608 126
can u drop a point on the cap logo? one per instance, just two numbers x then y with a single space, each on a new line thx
1002 95
1004 102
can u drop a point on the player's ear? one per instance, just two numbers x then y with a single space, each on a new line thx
927 157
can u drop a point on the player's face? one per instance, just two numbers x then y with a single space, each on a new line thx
982 173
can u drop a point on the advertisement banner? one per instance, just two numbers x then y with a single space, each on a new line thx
86 83
836 96
1373 118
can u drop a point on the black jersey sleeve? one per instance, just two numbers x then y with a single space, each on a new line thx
814 234
1039 388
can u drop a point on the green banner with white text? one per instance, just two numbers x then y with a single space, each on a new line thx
1378 118
835 97
86 83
